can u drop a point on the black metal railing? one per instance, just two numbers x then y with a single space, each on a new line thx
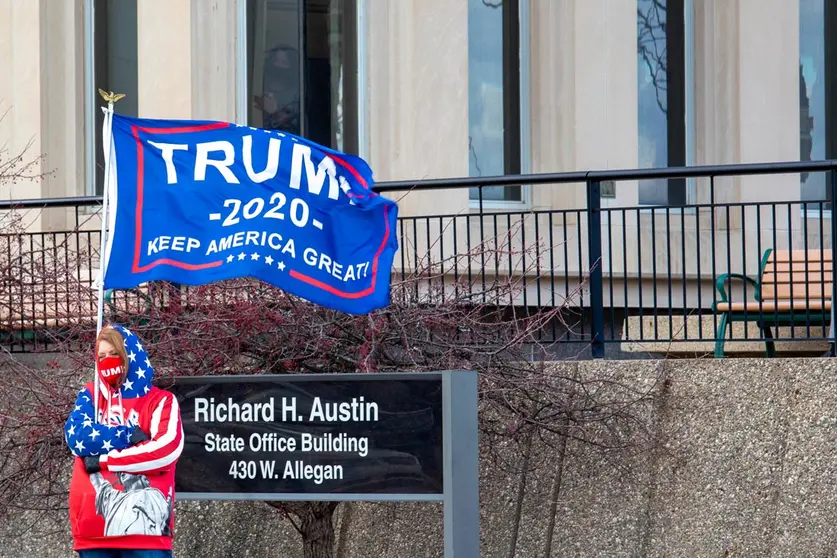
641 279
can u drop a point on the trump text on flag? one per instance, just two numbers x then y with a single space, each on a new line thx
200 202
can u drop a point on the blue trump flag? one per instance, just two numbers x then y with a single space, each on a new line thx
195 202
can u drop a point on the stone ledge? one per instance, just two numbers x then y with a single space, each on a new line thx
639 337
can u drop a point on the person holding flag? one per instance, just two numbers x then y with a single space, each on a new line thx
195 202
126 436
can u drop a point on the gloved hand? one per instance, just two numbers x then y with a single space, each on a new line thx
91 464
139 435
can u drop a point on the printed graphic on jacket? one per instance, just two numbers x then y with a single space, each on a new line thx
129 503
138 509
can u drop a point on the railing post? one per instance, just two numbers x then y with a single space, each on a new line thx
594 244
833 185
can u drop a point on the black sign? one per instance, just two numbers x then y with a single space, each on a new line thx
311 434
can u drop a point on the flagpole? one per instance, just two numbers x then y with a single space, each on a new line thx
107 148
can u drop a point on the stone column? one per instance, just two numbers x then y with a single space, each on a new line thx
214 63
418 96
165 58
21 88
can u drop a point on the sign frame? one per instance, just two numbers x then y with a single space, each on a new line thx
460 447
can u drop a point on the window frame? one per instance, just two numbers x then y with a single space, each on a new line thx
241 85
90 95
830 121
92 129
685 150
364 147
360 141
523 117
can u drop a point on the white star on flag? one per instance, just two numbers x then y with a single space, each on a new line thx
79 446
129 385
78 408
107 446
268 260
281 266
87 423
139 346
254 256
241 256
147 363
230 258
133 356
93 434
146 389
72 430
140 373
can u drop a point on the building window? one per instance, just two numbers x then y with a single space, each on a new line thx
817 74
302 69
114 50
661 77
494 115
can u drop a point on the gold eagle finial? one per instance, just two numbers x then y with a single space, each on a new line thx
110 97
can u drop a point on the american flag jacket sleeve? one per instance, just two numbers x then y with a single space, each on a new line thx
85 436
161 451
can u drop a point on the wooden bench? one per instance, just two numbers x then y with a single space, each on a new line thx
794 288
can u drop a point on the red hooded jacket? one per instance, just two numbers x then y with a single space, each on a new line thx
130 503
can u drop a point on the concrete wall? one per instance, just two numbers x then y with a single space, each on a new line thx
744 465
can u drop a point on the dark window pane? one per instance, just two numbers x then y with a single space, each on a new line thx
661 80
115 48
494 94
816 84
302 69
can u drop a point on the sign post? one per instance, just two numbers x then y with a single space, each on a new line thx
462 509
336 437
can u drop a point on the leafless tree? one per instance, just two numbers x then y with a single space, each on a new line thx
435 321
651 45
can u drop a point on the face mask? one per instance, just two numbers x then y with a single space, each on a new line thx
110 370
